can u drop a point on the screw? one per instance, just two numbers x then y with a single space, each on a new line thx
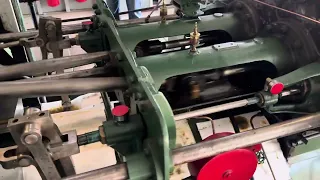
31 139
97 11
24 162
94 6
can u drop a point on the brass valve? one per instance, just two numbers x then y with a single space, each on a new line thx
194 38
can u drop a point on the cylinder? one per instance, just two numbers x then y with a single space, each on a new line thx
60 87
115 172
163 66
69 75
213 109
213 147
50 65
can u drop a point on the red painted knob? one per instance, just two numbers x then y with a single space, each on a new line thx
276 88
120 110
53 3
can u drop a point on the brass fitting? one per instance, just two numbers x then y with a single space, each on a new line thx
194 38
163 12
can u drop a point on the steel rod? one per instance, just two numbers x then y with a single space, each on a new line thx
66 29
215 109
115 172
214 147
44 66
69 75
60 87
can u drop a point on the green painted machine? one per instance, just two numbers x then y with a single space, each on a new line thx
216 61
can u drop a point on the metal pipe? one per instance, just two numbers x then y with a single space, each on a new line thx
215 109
59 87
115 172
214 147
69 75
66 29
38 67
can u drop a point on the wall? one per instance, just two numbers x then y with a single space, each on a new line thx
74 5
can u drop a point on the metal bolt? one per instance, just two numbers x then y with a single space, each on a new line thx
97 11
24 162
94 6
31 139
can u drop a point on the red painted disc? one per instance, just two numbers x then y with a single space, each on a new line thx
239 164
120 110
277 88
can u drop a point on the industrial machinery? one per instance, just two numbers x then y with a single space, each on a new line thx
217 60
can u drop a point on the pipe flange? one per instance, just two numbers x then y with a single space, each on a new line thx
248 14
296 38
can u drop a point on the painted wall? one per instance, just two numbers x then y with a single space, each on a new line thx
74 5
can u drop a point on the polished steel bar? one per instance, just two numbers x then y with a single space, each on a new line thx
66 29
62 86
215 109
44 66
69 75
214 147
115 172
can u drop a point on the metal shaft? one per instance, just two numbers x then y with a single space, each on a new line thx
66 29
44 66
59 87
115 172
69 75
215 109
214 147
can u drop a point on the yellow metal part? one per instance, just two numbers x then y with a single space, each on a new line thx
163 12
194 38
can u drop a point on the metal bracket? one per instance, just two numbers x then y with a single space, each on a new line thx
37 134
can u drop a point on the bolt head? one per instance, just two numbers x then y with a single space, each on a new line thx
31 139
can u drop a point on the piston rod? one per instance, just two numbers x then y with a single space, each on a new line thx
216 146
215 109
62 86
44 66
68 75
